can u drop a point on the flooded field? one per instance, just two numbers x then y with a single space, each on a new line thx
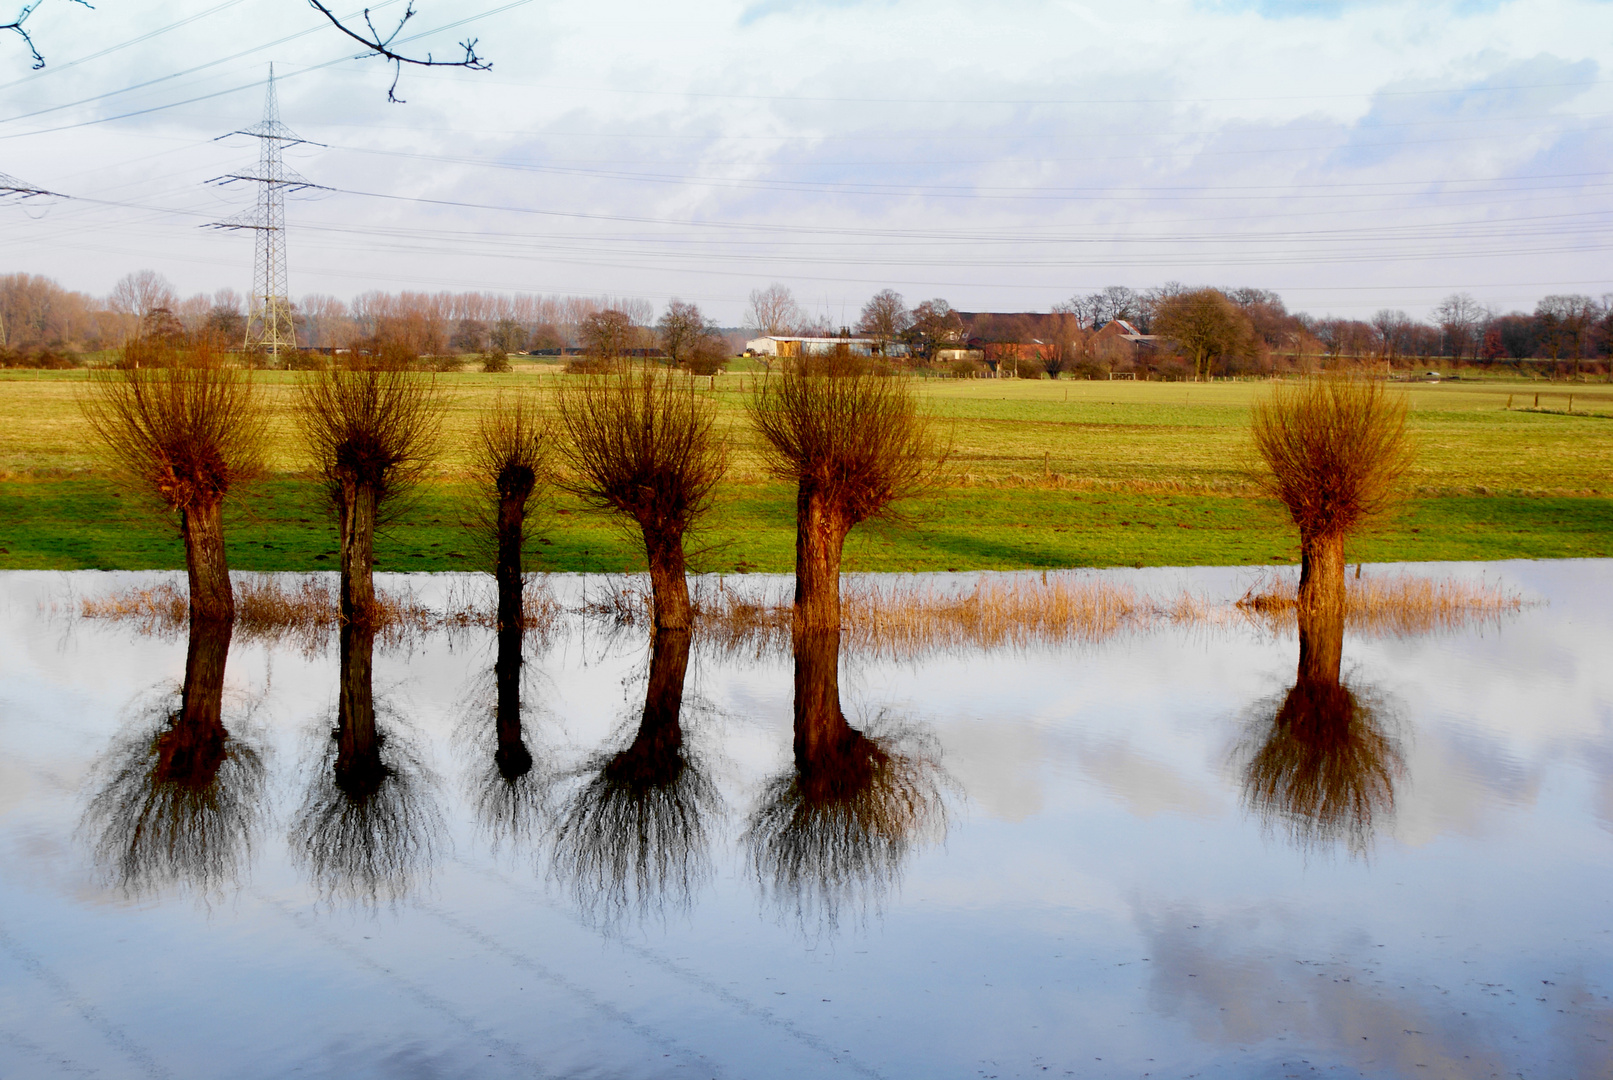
1183 839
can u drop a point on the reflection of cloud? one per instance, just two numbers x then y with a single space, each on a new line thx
999 764
1330 1011
1145 785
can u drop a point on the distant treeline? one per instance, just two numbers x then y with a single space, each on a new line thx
1169 331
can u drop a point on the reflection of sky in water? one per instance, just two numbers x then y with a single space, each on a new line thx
1102 904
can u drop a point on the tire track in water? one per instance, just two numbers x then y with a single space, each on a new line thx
704 983
62 1064
430 1001
91 1015
666 1042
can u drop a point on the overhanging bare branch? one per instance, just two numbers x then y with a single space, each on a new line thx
381 45
16 27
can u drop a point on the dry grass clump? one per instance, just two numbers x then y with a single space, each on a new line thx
1397 605
306 611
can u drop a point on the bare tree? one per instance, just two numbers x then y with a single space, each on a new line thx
372 432
188 432
1336 448
854 443
141 293
1460 317
1391 327
773 310
684 332
885 317
935 325
642 444
609 335
1207 327
509 457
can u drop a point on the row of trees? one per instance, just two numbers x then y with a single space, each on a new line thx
1228 330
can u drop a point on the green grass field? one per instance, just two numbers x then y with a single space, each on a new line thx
1042 474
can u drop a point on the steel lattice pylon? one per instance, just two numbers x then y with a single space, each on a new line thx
269 325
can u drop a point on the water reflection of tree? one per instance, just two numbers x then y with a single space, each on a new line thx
1324 766
832 834
636 833
508 789
369 825
182 797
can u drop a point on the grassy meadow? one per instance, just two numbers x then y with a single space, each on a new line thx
1041 474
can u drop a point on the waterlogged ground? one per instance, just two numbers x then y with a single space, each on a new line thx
1086 860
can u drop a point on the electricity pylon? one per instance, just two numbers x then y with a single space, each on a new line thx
268 326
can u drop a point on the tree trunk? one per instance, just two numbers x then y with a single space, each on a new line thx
1321 606
820 537
356 525
192 750
511 526
211 598
512 757
661 728
359 770
669 583
821 730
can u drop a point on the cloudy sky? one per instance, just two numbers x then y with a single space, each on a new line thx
1351 155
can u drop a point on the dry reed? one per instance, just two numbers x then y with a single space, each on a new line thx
306 611
1395 605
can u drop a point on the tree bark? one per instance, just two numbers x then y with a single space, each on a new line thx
211 598
669 582
512 757
1321 606
821 730
356 527
359 770
820 537
507 570
192 750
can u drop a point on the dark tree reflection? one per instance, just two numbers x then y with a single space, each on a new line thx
369 826
832 834
1324 767
507 790
636 834
181 797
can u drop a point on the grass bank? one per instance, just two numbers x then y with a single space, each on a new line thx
1043 474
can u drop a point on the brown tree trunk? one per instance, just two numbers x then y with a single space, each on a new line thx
821 730
359 771
356 526
211 598
1321 607
192 750
669 582
820 537
507 571
512 757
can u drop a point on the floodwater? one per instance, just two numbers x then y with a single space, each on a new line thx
1180 852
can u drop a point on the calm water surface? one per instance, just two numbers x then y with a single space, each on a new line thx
1163 855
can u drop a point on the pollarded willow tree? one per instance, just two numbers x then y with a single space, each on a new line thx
510 458
1336 449
189 433
371 432
642 444
854 443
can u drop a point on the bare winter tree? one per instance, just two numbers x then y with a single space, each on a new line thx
854 443
1335 448
141 293
371 432
189 432
885 317
1461 318
510 458
773 310
642 444
1207 327
682 330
